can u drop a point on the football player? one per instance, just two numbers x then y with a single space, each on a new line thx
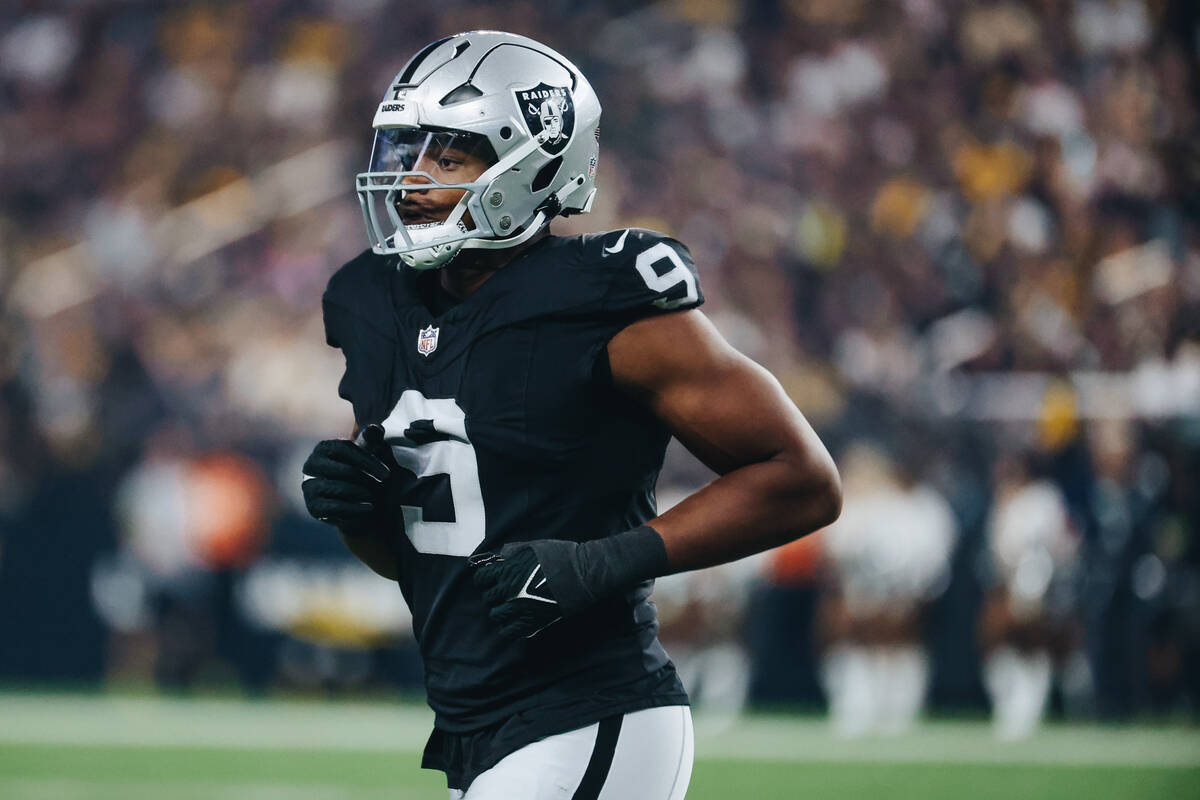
513 393
1027 626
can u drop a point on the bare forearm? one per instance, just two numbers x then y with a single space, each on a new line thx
749 510
373 552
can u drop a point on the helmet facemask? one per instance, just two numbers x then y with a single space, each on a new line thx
404 193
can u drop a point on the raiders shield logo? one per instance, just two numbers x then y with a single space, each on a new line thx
550 109
427 340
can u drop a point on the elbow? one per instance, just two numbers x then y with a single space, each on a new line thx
816 493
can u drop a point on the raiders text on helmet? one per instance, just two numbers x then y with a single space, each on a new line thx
520 105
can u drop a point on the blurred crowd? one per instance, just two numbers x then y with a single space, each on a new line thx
963 234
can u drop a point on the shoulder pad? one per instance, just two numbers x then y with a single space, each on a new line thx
648 271
357 315
364 273
359 289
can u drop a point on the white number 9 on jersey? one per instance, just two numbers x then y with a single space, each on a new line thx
679 273
450 454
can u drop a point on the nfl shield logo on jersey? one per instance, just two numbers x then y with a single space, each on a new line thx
427 340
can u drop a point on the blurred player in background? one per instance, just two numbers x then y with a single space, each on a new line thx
513 394
703 617
1027 625
890 552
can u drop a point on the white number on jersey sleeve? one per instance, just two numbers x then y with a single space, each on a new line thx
679 273
453 456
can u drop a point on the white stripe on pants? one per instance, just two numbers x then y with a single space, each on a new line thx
652 761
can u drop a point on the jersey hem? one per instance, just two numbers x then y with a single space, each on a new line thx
461 779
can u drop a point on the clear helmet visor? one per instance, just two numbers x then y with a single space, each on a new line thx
420 186
421 149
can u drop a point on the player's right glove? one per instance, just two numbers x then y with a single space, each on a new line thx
345 485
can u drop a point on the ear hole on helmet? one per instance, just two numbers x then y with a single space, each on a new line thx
506 133
460 95
545 175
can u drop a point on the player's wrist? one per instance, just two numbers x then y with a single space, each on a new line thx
584 574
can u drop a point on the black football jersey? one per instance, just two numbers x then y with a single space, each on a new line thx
502 408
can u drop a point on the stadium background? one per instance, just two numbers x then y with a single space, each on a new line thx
960 233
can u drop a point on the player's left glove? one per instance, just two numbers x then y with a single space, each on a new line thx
529 586
515 591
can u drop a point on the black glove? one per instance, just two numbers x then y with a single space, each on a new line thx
528 586
515 591
345 485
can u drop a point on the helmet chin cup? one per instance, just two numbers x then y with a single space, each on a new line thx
431 257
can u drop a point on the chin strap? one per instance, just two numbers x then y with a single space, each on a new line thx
548 210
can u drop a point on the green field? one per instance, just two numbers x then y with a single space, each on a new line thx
56 746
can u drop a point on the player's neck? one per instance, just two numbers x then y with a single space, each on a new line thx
463 276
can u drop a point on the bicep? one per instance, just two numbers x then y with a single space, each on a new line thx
726 409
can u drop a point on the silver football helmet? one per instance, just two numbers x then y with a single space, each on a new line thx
515 104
